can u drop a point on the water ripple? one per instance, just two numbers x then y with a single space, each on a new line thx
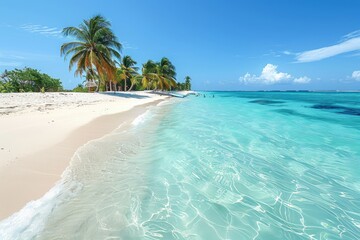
220 168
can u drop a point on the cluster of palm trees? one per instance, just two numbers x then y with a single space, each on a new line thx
96 53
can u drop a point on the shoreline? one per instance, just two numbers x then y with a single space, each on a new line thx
36 170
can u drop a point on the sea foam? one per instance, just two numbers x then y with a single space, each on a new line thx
30 220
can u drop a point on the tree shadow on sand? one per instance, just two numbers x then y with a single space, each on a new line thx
125 95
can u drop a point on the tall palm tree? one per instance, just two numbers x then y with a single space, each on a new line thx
166 74
187 83
160 75
149 75
127 70
135 80
120 76
95 47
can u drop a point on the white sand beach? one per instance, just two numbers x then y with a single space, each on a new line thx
39 134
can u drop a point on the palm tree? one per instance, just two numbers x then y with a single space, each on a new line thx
135 80
127 70
160 75
119 76
95 47
149 74
187 83
166 74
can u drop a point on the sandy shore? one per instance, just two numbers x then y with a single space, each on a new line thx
39 134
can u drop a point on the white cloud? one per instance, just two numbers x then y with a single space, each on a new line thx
248 78
270 75
127 45
43 30
356 75
288 53
302 80
351 35
350 43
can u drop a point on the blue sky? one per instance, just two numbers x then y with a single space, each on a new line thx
222 45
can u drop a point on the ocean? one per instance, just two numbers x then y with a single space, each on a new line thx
223 165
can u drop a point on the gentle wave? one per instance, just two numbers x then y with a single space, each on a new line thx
31 219
141 119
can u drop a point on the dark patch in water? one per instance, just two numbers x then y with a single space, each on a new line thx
338 109
353 111
266 102
295 113
325 106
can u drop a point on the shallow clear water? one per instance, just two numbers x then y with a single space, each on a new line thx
239 165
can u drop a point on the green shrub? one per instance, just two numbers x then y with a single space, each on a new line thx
28 80
80 88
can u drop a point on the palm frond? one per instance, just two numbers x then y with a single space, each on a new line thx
96 47
75 58
70 45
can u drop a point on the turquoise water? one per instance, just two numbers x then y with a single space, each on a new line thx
231 165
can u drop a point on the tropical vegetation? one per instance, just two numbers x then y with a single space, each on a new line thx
28 80
185 86
160 75
96 52
187 83
95 49
80 88
127 73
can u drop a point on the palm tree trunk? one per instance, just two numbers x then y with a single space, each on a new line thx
110 87
132 85
125 85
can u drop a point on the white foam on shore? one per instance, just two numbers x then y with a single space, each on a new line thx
31 219
28 222
165 102
148 114
141 118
